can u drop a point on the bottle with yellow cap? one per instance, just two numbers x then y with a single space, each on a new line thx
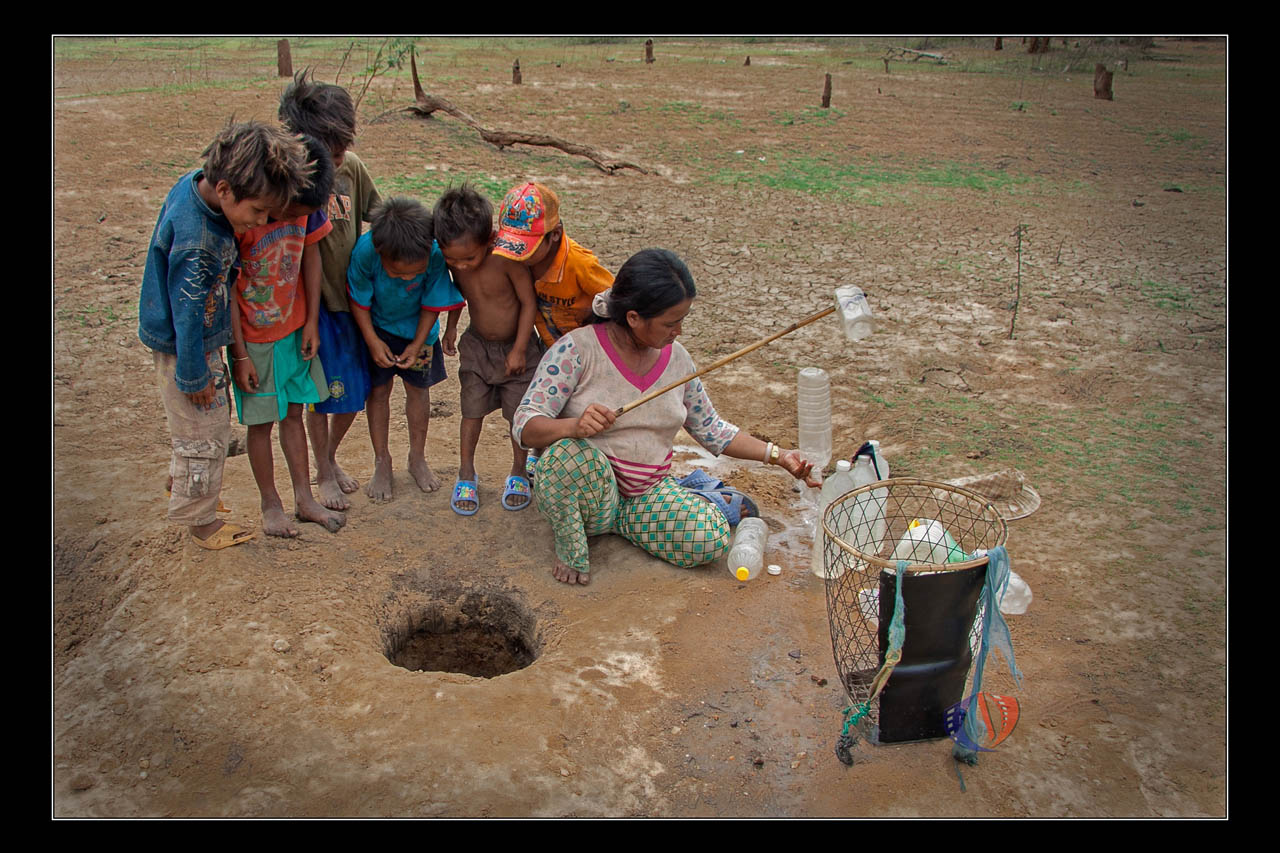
746 555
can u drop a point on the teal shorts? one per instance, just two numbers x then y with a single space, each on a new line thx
284 377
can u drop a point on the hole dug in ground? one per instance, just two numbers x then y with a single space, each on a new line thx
474 632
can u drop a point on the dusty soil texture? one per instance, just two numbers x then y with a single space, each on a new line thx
255 681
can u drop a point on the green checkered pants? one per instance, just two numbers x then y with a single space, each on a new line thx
576 492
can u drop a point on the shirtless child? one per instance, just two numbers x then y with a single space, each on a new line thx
499 352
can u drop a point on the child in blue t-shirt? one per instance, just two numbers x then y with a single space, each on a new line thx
399 285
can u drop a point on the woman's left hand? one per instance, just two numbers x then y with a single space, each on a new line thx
797 466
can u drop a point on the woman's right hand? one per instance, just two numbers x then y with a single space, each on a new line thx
595 420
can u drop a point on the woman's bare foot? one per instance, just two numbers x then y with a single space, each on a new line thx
379 488
311 510
346 482
276 523
564 574
422 475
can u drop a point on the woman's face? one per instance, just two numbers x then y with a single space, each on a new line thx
662 330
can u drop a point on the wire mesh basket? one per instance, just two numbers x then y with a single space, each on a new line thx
937 528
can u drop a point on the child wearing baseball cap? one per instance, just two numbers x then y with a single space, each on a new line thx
566 276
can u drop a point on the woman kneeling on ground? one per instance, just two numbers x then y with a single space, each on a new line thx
600 473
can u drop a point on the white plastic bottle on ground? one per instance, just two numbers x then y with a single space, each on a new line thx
833 487
746 554
854 311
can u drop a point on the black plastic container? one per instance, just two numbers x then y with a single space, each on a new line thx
941 607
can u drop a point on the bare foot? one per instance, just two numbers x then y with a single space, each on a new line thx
331 494
422 475
346 482
310 510
276 523
564 574
379 488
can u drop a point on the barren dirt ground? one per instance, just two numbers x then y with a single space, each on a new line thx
255 681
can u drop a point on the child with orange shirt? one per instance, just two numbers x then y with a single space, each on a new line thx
566 276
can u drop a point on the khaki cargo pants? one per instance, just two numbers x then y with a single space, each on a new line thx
199 435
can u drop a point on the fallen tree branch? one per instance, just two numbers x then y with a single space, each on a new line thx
427 104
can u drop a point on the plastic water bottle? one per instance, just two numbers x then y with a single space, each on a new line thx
833 487
855 312
813 415
927 541
746 555
1017 596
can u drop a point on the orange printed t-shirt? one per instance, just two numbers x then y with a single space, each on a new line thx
271 302
565 292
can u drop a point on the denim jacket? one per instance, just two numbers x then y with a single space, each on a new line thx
191 266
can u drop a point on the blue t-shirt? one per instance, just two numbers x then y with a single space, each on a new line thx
395 304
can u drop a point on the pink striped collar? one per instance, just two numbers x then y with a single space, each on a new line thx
643 383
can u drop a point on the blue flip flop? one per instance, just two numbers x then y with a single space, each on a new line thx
734 504
516 485
465 490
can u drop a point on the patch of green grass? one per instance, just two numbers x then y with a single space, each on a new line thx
698 113
1166 296
815 116
1130 458
1019 106
428 186
865 180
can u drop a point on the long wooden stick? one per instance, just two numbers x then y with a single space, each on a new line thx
722 362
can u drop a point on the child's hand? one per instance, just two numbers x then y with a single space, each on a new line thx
245 375
310 341
515 363
449 343
204 396
381 353
410 356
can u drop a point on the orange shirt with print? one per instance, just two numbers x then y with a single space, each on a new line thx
270 294
566 290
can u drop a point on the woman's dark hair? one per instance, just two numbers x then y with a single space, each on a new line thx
650 282
317 194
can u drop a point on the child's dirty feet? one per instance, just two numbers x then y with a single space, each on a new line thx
346 482
379 488
564 574
422 475
313 511
330 493
276 523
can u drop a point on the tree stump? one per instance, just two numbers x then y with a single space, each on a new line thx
826 93
515 73
284 60
999 43
748 61
648 50
1039 44
1102 83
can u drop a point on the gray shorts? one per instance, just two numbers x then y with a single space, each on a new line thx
482 373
